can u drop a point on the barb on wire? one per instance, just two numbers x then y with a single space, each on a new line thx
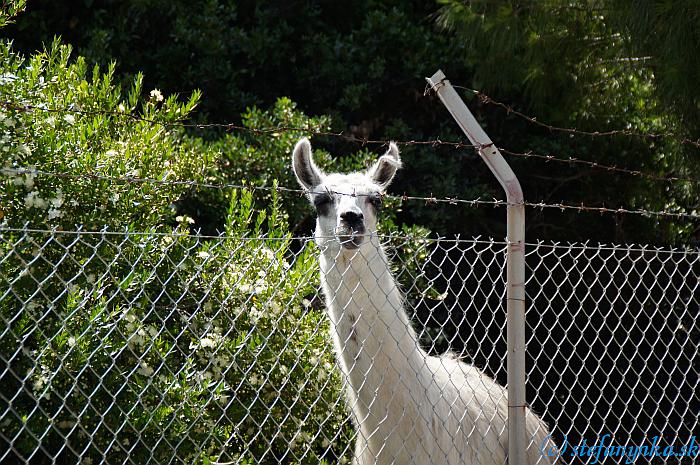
232 126
622 132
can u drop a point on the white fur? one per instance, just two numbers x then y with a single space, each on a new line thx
409 407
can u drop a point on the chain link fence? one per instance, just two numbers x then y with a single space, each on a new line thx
149 348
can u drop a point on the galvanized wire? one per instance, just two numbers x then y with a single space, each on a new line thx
145 348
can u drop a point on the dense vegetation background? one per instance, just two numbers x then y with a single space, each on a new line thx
594 65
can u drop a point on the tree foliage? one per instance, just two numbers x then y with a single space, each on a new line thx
589 64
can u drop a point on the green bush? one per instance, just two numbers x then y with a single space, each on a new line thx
150 343
85 143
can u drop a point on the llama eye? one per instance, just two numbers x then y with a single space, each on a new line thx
321 201
376 201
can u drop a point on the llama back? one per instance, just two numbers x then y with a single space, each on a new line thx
472 417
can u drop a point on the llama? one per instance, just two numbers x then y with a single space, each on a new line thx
408 407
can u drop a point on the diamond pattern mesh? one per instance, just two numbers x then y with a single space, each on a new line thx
151 348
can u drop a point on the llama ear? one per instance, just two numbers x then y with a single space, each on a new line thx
384 169
306 171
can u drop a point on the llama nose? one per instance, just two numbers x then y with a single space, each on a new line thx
352 216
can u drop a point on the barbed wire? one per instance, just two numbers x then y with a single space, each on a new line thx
199 184
600 166
281 189
428 200
613 132
364 141
233 126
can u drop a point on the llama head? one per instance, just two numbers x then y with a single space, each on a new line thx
346 204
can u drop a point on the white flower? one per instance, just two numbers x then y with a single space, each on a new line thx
40 382
254 380
71 341
31 306
51 121
32 200
114 198
155 93
267 253
57 201
24 150
121 108
245 288
203 254
184 219
70 119
111 153
145 370
55 213
29 180
255 314
207 342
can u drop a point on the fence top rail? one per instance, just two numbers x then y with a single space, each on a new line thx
532 247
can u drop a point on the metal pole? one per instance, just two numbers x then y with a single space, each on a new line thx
515 262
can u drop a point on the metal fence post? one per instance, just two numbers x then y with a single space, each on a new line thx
515 261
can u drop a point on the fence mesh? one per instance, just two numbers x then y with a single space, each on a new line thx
145 348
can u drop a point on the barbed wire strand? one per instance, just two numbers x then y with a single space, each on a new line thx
191 183
600 166
613 132
232 126
428 200
434 143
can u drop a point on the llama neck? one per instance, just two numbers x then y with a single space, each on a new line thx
374 341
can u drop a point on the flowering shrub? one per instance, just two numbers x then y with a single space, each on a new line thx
151 343
178 346
154 343
86 144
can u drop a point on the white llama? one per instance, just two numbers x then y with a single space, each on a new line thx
408 407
